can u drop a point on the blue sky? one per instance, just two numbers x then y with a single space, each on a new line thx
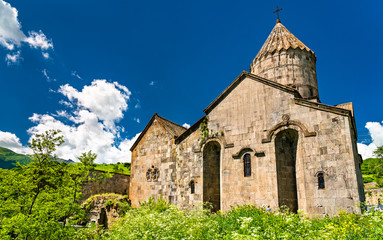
100 69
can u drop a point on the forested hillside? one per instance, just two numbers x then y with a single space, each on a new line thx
9 159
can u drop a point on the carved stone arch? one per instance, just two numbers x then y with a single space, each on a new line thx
219 139
288 124
221 142
241 152
244 150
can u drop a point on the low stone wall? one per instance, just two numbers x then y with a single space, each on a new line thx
118 183
374 196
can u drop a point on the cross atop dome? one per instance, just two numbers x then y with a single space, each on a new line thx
277 12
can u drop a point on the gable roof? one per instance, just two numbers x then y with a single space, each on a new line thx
239 79
172 128
190 130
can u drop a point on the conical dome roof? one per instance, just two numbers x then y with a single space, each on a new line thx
281 38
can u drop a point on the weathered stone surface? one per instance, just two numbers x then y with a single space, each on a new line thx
118 183
289 134
374 196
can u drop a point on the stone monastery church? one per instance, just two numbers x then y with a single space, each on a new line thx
265 140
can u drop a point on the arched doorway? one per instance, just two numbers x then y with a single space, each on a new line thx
286 143
211 175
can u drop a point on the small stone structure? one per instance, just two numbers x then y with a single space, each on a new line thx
100 212
118 183
374 196
266 139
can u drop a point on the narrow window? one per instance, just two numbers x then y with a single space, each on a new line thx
247 165
149 175
192 186
320 181
156 174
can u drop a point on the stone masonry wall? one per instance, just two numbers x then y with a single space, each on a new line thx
374 196
289 67
247 121
245 117
156 149
118 183
189 167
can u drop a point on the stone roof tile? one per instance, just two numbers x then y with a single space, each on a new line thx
281 38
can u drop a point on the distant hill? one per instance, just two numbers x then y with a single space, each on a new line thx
9 159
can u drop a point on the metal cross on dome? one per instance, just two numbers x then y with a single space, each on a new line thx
277 12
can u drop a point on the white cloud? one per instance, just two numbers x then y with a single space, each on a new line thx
75 74
92 124
151 83
186 125
39 40
45 55
107 100
12 58
11 141
137 120
376 132
11 35
10 28
49 79
65 103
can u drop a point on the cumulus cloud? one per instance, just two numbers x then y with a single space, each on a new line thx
11 35
10 28
92 125
151 83
106 100
186 125
13 58
38 40
11 141
376 132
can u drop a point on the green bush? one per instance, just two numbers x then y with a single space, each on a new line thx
160 220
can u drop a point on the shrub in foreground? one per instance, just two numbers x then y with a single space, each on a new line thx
242 222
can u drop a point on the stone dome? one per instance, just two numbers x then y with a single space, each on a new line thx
285 59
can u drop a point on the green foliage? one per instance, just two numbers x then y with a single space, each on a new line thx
204 130
40 200
242 222
372 168
379 152
119 202
158 205
10 159
123 168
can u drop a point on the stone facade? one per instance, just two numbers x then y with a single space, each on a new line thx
374 196
118 183
292 139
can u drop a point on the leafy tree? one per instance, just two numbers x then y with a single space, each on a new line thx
378 167
39 200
